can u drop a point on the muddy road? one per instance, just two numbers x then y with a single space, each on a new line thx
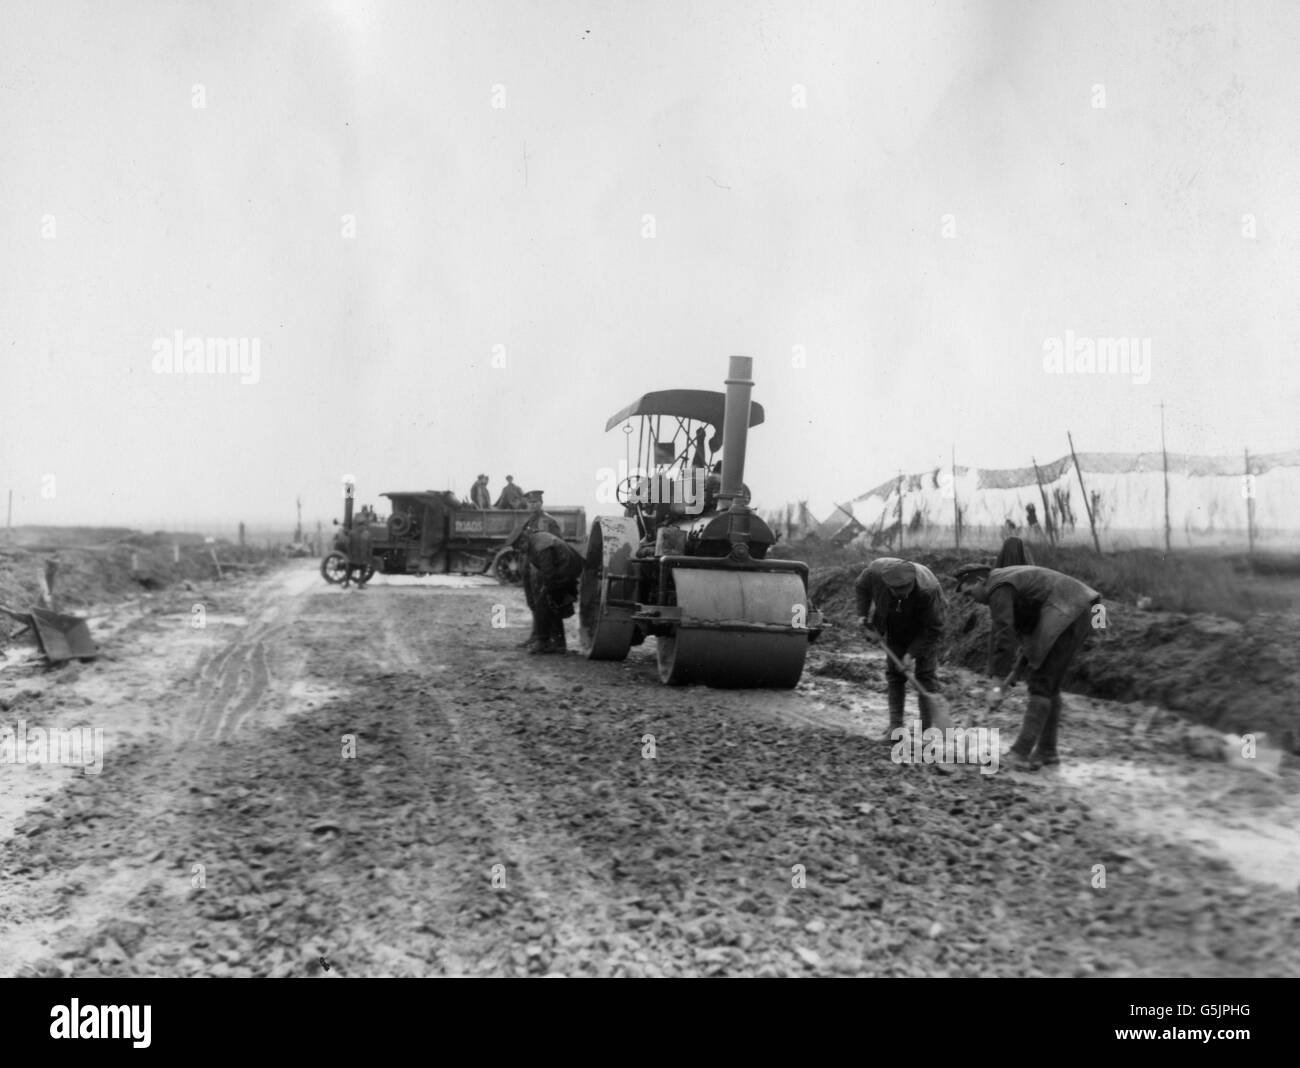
382 781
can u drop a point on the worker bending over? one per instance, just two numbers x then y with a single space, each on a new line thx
901 604
1048 616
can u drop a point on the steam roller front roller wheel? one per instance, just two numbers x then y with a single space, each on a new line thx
735 658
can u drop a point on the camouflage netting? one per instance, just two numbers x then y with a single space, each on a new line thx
1209 497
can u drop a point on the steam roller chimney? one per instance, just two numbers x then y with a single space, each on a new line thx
735 435
735 427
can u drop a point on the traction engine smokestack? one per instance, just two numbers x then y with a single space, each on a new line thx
735 427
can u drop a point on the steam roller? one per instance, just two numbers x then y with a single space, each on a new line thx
687 563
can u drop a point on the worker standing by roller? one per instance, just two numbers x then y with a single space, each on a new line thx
1048 616
901 603
551 570
359 552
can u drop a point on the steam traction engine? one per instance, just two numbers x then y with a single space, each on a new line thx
687 562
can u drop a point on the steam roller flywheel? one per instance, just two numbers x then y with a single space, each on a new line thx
711 646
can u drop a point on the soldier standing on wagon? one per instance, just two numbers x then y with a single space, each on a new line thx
512 496
479 495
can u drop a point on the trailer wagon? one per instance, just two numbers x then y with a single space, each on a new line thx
432 532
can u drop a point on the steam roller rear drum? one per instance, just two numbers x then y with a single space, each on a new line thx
704 650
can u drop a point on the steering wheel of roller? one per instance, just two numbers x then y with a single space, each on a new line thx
623 492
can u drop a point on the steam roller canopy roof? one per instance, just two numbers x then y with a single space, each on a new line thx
702 405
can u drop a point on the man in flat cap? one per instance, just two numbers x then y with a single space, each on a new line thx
551 570
1048 616
540 519
901 602
512 496
479 495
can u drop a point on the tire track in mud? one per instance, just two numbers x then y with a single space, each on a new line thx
548 870
56 903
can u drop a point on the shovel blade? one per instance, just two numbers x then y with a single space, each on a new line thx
940 714
62 637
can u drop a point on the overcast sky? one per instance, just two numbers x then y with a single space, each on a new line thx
432 219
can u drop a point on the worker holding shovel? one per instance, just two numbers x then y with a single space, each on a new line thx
901 606
1048 616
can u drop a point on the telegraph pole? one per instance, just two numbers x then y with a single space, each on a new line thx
1087 504
956 511
1047 508
900 513
1165 453
1250 506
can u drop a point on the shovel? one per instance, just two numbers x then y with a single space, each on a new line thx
60 637
940 716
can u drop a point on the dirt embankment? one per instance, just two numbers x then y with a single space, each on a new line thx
1234 676
90 572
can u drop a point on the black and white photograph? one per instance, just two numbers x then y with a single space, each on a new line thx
680 489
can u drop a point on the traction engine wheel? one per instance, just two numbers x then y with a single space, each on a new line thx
334 567
508 567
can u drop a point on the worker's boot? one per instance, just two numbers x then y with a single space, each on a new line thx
927 712
537 639
1045 752
897 697
1031 730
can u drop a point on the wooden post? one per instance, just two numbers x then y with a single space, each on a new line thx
1047 508
1087 504
1250 506
956 510
900 513
1165 453
216 561
47 583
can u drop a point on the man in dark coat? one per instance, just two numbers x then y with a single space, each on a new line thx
479 496
551 571
902 603
359 551
1013 552
1048 616
512 496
